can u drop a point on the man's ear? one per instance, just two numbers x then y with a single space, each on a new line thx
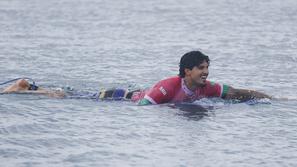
188 71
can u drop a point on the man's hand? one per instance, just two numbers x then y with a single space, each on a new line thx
244 94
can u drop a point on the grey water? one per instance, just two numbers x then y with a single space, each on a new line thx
89 45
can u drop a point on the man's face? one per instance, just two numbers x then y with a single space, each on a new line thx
199 74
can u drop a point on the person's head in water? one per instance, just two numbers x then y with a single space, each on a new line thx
194 66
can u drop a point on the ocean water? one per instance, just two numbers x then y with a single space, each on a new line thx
93 44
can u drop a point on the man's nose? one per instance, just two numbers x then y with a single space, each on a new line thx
205 71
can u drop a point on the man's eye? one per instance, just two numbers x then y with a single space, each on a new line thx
202 67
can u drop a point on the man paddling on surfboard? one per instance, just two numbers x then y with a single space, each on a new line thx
191 84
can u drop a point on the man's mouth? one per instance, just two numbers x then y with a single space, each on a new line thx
204 77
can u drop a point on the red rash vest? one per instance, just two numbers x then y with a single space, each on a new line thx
173 90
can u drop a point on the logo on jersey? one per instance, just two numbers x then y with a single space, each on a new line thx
163 91
212 83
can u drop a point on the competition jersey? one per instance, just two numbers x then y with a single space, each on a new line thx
173 90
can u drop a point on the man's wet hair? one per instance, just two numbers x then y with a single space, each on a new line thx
190 60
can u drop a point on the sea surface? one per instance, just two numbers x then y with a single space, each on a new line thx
89 45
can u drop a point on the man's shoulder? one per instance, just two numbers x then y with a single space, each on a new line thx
215 89
170 82
163 91
167 86
173 79
211 85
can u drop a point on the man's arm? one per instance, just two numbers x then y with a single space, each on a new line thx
244 94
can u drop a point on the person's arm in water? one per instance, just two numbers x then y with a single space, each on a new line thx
244 94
